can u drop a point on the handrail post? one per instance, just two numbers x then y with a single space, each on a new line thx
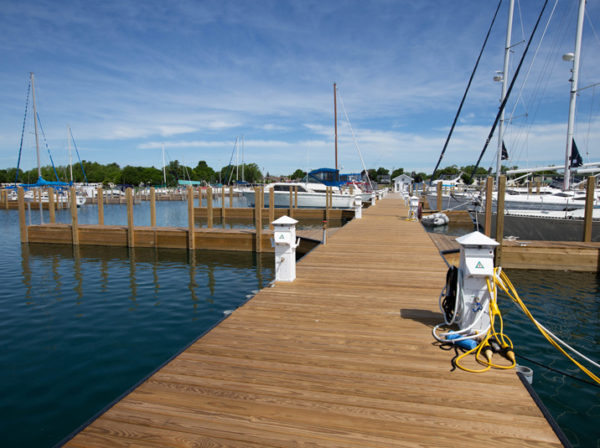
500 218
74 222
130 225
51 205
100 203
489 186
153 207
190 201
589 209
209 205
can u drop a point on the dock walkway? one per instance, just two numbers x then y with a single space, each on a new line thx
342 357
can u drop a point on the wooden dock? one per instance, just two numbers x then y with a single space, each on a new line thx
342 357
528 254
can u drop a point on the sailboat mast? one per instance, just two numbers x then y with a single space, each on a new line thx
511 8
70 153
37 139
164 169
574 82
243 159
335 124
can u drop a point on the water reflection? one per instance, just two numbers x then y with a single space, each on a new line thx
140 267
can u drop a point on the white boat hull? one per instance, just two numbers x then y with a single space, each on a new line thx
305 200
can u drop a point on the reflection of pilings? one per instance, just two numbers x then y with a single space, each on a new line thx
104 273
192 284
211 279
26 271
132 278
259 276
78 275
56 276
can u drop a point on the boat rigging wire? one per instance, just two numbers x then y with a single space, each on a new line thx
512 83
466 92
354 138
511 116
77 152
22 134
47 148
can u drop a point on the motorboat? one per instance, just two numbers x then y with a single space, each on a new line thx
310 195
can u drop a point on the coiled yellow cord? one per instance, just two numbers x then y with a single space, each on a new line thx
502 339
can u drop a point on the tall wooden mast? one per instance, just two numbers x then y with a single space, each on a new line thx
335 123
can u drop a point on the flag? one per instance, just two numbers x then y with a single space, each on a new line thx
575 158
504 152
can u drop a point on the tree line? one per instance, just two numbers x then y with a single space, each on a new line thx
112 173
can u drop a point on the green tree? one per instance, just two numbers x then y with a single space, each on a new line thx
204 172
298 174
397 172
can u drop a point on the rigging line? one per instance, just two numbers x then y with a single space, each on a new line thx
77 152
22 134
229 166
539 86
354 137
47 147
512 83
519 96
462 102
521 20
587 16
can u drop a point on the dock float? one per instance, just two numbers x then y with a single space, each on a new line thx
341 357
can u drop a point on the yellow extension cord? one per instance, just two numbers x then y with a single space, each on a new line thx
502 281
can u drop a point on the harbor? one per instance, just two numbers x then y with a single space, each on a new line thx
340 357
282 224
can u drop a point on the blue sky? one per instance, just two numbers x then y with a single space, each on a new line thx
128 76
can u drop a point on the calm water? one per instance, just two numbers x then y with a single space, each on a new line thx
80 327
568 304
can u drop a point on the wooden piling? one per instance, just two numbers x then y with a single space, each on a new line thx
295 196
5 199
51 205
439 195
529 187
489 188
100 202
328 202
153 206
130 227
589 209
191 239
291 214
231 197
22 221
209 205
74 222
271 208
258 207
538 186
500 218
223 202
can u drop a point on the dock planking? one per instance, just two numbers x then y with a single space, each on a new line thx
342 357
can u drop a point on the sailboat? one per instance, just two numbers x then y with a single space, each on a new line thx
557 215
312 190
41 183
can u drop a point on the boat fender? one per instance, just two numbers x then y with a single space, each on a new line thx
467 344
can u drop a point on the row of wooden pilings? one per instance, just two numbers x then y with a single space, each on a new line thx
499 236
258 211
